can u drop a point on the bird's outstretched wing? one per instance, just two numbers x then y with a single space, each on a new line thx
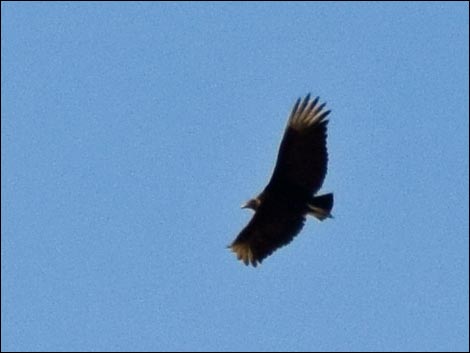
269 229
303 157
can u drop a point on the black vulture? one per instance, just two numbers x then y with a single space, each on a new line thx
281 209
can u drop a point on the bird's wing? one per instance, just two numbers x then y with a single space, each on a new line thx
303 157
268 230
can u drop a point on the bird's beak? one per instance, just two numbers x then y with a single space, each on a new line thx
245 205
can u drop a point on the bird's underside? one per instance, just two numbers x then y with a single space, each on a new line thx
282 207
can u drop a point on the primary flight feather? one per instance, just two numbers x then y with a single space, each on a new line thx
281 209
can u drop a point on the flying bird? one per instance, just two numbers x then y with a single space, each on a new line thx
282 207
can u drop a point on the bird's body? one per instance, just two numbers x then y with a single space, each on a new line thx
282 207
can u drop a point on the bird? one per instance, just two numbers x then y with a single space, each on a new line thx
280 210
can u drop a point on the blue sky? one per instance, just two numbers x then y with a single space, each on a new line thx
132 132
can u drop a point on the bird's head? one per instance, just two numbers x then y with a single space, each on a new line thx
252 204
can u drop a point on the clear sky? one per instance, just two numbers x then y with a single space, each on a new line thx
132 132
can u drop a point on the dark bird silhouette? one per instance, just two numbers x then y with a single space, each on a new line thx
281 209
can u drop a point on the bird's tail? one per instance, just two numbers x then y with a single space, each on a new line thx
321 206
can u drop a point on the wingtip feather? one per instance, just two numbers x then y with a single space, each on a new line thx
306 113
244 253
